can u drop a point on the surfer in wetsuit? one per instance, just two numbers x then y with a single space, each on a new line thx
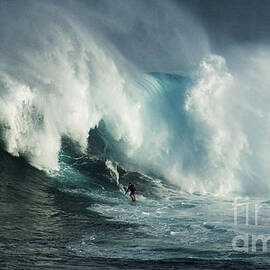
132 190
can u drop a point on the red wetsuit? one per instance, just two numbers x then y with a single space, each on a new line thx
132 189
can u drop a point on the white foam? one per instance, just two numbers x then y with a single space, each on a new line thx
113 170
61 79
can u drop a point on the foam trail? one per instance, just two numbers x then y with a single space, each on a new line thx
113 170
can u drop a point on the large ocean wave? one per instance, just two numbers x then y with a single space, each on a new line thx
205 130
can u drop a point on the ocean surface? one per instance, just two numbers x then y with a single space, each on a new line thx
81 219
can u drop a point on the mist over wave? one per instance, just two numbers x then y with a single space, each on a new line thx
204 129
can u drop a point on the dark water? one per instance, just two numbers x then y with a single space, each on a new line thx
38 222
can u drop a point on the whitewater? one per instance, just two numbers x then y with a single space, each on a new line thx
82 116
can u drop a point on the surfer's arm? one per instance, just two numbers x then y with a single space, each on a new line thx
127 191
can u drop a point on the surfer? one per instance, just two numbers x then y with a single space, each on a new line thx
132 190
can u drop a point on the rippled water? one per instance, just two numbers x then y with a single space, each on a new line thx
51 224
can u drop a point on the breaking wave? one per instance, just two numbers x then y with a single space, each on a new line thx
205 130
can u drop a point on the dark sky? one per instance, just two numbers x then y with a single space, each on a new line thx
178 35
240 21
159 35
